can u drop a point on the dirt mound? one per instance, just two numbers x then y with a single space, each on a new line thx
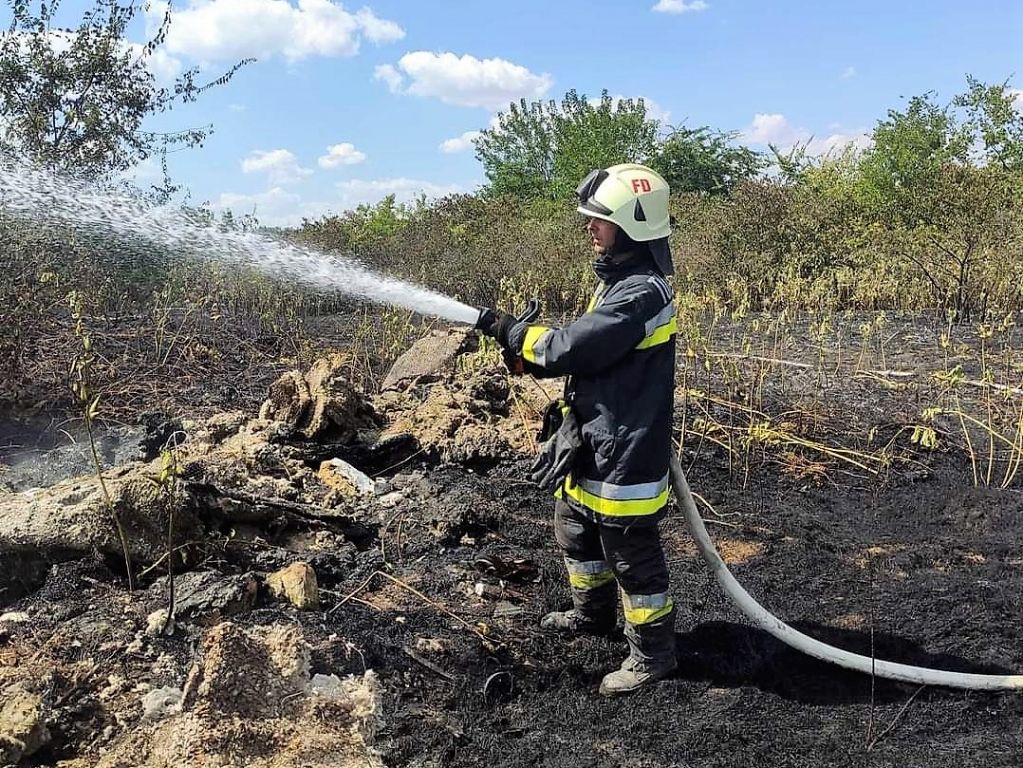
322 402
463 406
249 701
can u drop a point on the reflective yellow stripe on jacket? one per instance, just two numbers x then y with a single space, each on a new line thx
534 345
660 328
615 500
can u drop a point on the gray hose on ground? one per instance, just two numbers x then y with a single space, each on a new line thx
808 645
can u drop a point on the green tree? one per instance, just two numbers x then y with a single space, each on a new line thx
994 123
943 181
909 151
76 100
705 160
543 149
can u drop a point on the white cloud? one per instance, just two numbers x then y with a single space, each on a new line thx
237 107
357 191
848 72
273 208
280 165
341 154
278 207
837 142
463 80
378 30
774 128
459 143
389 75
680 6
1017 98
769 128
226 30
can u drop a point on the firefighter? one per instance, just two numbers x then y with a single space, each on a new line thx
606 452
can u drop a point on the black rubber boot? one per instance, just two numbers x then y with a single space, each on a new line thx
651 657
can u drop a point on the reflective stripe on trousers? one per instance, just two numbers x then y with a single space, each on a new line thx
645 609
588 574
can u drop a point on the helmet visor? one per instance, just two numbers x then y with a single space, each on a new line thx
586 189
589 185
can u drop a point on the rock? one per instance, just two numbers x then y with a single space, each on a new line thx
22 724
340 476
157 621
430 358
161 702
14 617
208 597
71 519
296 584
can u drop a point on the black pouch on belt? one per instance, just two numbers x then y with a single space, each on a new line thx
561 442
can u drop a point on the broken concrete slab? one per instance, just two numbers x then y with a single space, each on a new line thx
430 359
72 519
340 476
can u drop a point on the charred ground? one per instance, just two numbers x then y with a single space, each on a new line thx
439 584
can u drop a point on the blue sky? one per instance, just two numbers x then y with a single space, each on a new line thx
391 85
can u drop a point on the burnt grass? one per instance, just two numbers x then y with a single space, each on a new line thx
915 565
740 697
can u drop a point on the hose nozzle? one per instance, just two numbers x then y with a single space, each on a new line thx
486 319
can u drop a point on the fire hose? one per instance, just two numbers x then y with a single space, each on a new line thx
778 629
774 626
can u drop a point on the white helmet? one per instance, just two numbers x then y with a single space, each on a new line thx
636 199
630 195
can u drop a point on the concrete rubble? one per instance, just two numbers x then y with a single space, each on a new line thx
299 490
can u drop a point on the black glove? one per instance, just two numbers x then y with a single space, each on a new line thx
502 327
556 457
486 322
495 324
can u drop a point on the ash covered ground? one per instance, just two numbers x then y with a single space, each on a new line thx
322 621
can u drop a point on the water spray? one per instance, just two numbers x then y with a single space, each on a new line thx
91 209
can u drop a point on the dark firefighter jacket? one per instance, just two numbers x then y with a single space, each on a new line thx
620 360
